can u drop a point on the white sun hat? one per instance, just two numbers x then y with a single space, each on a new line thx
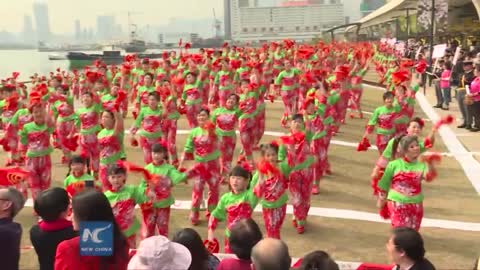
159 253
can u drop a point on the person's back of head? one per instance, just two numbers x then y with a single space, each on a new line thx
52 204
11 202
244 235
318 260
92 205
192 240
271 254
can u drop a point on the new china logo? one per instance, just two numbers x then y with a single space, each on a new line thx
96 239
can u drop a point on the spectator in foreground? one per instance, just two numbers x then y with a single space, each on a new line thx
201 257
92 205
159 253
271 254
244 235
52 207
11 202
316 260
405 249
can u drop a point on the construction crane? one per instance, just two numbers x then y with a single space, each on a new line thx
217 25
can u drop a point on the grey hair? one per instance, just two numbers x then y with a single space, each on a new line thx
405 143
17 199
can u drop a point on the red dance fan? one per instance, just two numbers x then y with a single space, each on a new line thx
12 176
212 246
363 145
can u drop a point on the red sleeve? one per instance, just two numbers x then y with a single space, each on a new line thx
63 256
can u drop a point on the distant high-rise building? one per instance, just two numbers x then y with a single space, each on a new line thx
227 20
296 19
40 11
28 32
78 30
105 27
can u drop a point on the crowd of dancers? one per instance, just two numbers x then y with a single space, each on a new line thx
219 92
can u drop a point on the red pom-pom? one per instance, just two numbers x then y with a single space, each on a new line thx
182 170
133 142
384 213
446 120
363 145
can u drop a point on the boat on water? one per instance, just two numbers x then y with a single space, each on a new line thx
109 57
56 56
135 45
42 47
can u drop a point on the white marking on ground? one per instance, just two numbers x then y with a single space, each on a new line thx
348 214
470 165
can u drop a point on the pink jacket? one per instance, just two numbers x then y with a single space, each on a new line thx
475 89
445 79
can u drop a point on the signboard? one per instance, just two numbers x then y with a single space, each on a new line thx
439 50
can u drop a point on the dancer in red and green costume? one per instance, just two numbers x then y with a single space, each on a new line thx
270 184
19 119
150 120
256 78
141 99
415 127
202 146
286 81
278 57
35 136
123 199
78 177
65 117
315 122
384 117
226 119
357 89
109 100
110 140
224 83
9 105
401 185
248 110
156 216
169 101
235 205
88 123
301 180
192 98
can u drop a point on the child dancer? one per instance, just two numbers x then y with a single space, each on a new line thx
79 177
157 215
225 119
65 117
192 98
301 180
88 123
169 101
35 136
202 146
270 184
150 119
123 199
248 109
110 140
383 116
235 205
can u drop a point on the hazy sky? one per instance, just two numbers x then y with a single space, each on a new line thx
62 13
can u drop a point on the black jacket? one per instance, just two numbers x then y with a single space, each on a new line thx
10 237
423 265
46 242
